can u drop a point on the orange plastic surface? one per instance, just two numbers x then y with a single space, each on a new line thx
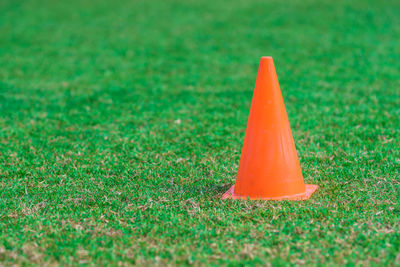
269 167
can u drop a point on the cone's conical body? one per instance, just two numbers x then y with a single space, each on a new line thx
269 167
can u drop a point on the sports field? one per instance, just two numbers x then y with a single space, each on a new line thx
122 123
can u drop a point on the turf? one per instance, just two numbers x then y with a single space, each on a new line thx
121 125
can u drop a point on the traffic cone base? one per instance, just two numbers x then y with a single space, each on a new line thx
310 189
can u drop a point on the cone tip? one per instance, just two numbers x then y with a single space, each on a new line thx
266 58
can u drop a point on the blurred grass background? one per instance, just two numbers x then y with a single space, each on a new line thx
121 124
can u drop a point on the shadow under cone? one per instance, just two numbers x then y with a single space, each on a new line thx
269 167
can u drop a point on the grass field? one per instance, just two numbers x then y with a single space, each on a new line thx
121 125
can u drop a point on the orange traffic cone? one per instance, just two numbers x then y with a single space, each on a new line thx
269 167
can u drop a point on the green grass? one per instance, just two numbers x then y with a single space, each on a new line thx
121 125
